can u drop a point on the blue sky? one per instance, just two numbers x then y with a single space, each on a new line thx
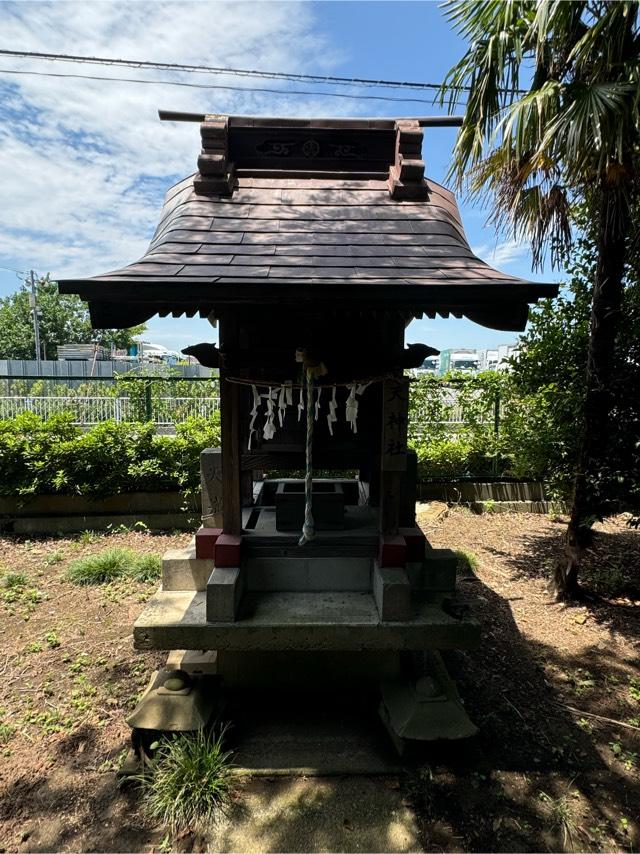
84 164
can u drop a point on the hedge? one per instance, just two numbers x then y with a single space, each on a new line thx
55 456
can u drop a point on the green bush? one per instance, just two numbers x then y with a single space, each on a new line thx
112 564
54 456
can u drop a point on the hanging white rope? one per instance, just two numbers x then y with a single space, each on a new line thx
308 528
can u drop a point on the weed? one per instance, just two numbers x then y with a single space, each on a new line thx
52 639
54 557
111 565
583 681
560 816
467 561
6 732
82 660
34 647
15 580
88 537
147 568
127 529
191 780
628 758
49 722
634 688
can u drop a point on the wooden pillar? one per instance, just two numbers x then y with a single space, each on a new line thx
230 434
393 453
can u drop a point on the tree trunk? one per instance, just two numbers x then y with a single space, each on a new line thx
613 229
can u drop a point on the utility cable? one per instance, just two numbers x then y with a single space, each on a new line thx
283 92
212 69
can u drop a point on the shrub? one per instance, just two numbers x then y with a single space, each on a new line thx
191 780
112 564
54 456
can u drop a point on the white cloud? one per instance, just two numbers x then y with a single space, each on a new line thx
502 254
84 164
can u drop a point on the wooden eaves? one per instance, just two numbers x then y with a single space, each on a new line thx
334 214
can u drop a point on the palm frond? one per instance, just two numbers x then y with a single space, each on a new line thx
578 123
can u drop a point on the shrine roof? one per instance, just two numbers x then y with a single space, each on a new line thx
320 213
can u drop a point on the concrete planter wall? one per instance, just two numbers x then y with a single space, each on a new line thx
497 496
465 492
50 514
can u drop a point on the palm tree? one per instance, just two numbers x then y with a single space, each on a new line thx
552 117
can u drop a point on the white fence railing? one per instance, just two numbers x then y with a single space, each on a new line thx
165 411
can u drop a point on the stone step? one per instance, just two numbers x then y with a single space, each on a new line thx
182 570
301 621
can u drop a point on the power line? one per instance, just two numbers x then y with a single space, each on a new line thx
260 90
212 69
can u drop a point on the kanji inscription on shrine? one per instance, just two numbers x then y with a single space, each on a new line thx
394 436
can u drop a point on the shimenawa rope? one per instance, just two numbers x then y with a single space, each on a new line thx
308 529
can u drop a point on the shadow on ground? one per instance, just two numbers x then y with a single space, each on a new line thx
535 778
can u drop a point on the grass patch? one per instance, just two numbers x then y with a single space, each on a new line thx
467 561
190 782
113 564
15 592
15 580
560 816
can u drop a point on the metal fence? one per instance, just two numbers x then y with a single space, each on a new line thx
163 411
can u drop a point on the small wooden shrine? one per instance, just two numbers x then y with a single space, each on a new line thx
312 245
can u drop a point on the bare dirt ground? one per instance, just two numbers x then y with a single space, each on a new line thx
555 691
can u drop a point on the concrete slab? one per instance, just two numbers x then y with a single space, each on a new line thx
303 621
318 814
310 731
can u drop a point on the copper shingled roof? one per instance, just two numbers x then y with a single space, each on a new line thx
278 234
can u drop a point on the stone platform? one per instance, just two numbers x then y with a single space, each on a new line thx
302 621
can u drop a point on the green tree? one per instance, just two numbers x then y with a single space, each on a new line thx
571 135
64 319
548 391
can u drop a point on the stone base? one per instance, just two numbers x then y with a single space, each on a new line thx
186 710
425 709
299 621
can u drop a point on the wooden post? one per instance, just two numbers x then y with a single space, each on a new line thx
230 435
393 453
